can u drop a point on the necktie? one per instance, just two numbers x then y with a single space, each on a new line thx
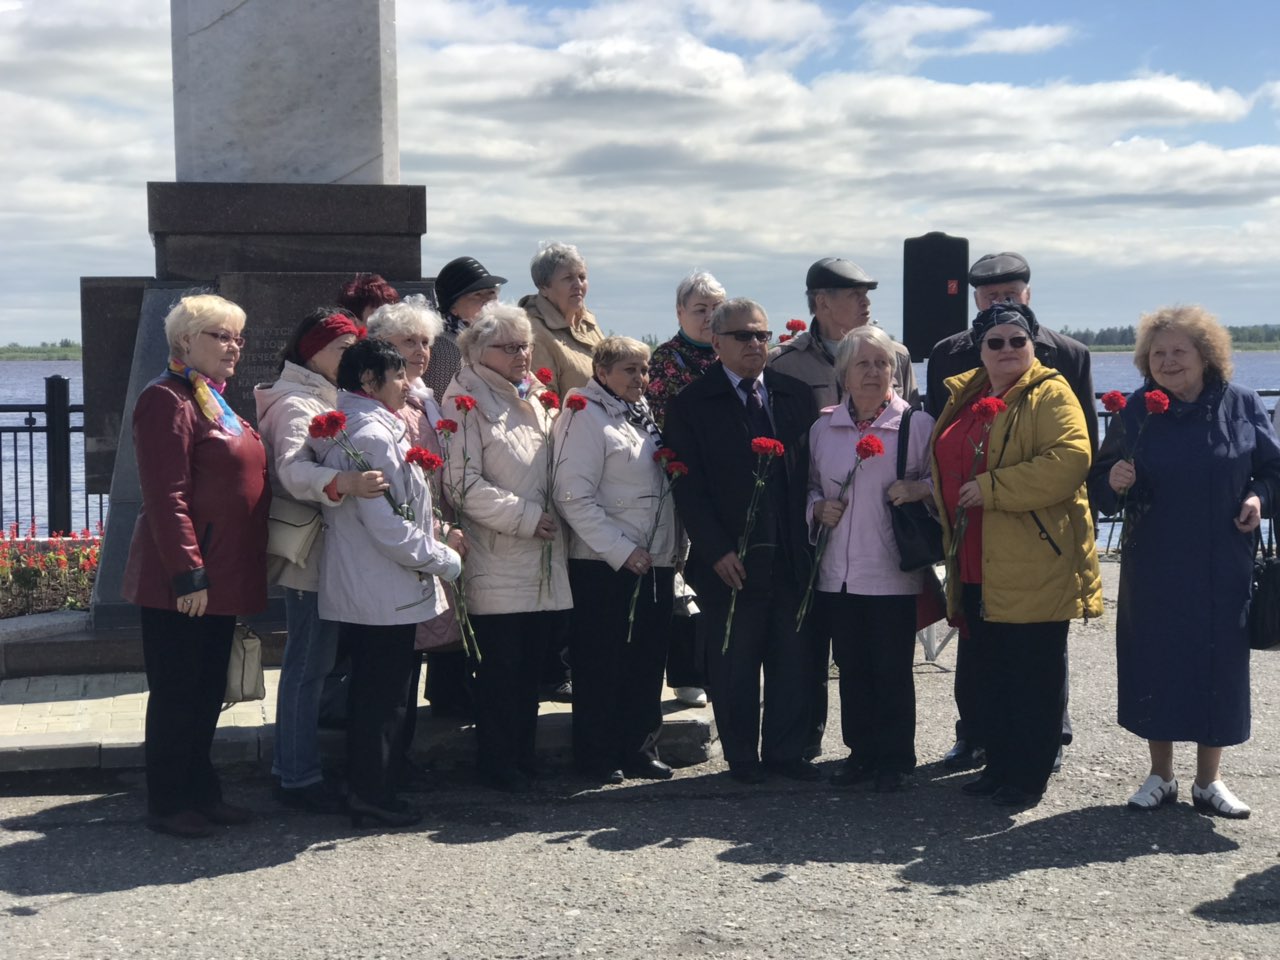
757 420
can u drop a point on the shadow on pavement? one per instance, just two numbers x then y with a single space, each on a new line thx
935 834
1254 899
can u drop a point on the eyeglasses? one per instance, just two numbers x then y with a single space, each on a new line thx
511 349
746 336
224 338
997 343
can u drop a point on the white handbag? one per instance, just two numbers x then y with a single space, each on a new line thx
292 528
244 670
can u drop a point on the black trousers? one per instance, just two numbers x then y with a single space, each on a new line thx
512 651
686 656
764 637
1020 675
382 663
186 662
968 694
448 683
874 638
617 684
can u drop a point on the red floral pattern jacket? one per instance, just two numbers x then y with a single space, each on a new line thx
673 366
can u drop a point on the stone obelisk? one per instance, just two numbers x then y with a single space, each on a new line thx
287 163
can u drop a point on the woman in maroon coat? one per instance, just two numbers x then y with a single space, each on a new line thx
198 557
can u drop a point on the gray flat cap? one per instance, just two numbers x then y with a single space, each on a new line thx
832 272
999 268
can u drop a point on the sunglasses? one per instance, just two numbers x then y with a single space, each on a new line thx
746 336
997 343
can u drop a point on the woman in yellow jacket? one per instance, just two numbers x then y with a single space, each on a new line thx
1010 455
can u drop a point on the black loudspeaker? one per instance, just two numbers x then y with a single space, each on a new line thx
935 290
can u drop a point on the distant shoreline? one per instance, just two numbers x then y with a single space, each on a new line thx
41 353
1236 347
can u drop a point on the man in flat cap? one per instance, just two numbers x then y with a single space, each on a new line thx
462 287
838 291
997 278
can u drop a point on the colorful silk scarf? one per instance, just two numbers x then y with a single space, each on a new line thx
208 397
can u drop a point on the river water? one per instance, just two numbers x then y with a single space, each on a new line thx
22 381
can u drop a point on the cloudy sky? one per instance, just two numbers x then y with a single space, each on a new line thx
1127 149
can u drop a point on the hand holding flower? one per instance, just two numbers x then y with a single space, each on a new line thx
1122 476
456 540
828 512
970 495
547 527
730 570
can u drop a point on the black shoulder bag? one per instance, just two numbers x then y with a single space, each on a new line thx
918 534
1264 607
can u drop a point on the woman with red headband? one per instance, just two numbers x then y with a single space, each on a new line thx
306 387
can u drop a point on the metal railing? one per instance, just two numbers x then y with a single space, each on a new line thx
24 474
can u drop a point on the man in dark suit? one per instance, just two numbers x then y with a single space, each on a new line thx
998 278
710 425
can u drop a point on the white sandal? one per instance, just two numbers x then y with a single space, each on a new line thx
1155 792
1216 798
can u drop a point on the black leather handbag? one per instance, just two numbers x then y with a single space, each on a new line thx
918 534
1264 607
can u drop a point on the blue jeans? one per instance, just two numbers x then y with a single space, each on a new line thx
308 657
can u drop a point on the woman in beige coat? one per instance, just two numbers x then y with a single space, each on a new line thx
564 331
516 585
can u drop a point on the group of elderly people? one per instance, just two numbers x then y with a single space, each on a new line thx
538 484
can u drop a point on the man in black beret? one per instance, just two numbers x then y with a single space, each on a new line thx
838 292
998 278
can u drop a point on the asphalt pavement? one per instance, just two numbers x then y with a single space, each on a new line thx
697 866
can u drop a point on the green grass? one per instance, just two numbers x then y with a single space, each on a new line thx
46 351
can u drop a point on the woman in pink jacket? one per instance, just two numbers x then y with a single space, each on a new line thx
863 600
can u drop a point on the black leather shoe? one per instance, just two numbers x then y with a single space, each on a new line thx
363 811
749 772
316 797
984 786
1015 797
602 774
890 781
850 774
962 756
226 814
647 768
797 769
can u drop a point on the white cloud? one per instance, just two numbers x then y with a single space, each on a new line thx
889 34
638 132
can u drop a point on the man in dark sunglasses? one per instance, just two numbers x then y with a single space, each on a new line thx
999 278
711 424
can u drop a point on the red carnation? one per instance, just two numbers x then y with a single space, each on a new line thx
576 402
868 447
767 447
328 425
784 338
988 408
544 375
446 426
424 458
796 326
465 402
663 455
1157 401
1113 401
677 469
549 399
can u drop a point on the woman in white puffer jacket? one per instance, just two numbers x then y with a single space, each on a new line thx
610 490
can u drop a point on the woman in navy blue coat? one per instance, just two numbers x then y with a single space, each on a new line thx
1193 483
